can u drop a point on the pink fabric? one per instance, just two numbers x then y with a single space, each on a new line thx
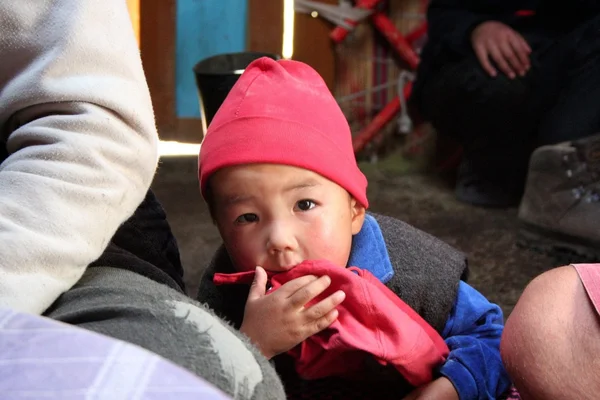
372 320
281 112
590 276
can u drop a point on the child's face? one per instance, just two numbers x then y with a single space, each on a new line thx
277 216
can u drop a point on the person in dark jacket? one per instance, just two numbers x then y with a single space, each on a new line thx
280 178
504 77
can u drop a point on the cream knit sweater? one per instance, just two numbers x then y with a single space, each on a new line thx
76 117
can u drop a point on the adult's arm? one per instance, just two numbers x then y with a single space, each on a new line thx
77 122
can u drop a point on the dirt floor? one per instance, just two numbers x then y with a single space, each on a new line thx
499 269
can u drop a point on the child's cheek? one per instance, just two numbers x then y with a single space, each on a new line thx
331 241
244 250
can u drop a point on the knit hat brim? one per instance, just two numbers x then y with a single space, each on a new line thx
239 139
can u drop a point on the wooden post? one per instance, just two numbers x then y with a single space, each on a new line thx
313 46
157 44
265 26
134 14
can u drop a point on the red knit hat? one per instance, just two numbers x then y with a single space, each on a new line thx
281 112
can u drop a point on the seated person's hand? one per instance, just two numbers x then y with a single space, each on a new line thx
502 44
439 389
276 322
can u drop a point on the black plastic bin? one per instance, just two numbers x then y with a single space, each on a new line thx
216 75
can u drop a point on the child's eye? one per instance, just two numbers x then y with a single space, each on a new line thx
305 205
246 219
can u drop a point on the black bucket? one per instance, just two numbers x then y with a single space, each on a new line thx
216 75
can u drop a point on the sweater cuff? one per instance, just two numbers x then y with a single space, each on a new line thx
461 378
461 39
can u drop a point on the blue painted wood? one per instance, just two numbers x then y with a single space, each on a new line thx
204 28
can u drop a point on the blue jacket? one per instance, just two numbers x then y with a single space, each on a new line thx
473 334
472 331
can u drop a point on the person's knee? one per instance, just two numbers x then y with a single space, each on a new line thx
135 309
463 93
546 344
524 338
467 81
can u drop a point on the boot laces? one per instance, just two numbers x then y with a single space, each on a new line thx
589 179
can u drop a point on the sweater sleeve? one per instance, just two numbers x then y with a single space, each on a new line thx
472 334
450 22
77 122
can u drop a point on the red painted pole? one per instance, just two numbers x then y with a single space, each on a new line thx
340 33
387 28
416 33
389 111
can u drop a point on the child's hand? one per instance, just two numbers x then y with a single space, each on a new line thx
439 389
278 321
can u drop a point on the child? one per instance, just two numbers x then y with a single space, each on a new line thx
278 172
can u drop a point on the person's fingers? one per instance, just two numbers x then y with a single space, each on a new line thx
483 57
527 49
259 284
309 291
323 307
498 57
289 288
322 323
512 57
519 46
526 45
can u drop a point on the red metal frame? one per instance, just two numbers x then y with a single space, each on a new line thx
403 45
385 115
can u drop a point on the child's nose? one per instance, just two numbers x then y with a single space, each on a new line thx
281 238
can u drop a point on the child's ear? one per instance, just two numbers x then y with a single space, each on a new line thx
358 215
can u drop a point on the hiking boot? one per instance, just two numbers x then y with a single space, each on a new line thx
560 210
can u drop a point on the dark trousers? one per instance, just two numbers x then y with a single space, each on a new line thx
499 121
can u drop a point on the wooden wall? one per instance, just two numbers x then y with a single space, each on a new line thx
311 36
346 68
157 45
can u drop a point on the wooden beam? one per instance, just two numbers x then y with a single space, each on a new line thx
158 45
311 36
189 130
313 46
265 26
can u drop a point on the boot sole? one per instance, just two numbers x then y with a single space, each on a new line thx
566 249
